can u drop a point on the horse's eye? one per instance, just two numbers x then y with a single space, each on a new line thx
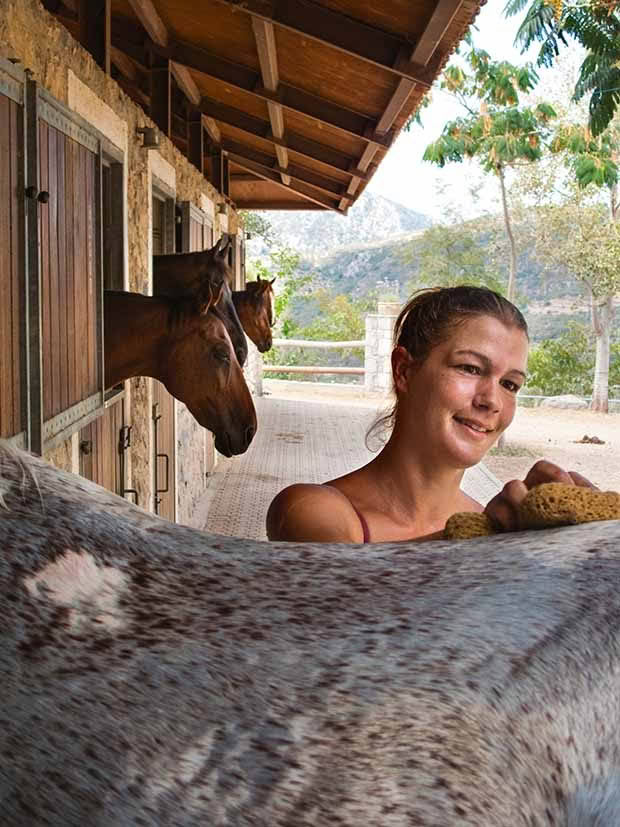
222 355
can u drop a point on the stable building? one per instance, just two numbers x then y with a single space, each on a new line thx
135 127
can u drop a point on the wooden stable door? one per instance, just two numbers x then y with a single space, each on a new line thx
164 502
101 449
69 278
12 273
163 439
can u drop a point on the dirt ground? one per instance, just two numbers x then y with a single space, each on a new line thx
553 433
536 433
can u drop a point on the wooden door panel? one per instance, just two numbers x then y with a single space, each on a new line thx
68 271
165 468
12 274
99 449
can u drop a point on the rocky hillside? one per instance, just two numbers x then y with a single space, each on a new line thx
318 234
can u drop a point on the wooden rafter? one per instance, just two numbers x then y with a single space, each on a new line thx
272 175
125 65
425 52
268 60
296 100
441 18
339 31
147 14
302 174
185 82
309 148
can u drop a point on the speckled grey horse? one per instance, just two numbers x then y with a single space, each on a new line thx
155 675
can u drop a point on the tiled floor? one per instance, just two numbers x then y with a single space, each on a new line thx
297 441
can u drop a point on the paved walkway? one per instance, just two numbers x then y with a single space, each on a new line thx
298 440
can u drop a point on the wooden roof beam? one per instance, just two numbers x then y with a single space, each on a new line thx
147 14
309 148
421 55
255 204
335 189
271 175
268 60
185 82
125 65
338 31
441 18
289 97
212 129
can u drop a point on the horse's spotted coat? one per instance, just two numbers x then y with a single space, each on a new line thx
278 686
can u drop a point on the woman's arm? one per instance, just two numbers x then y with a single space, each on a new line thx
313 513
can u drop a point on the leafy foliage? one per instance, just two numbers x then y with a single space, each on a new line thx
563 365
289 282
596 26
449 255
256 224
498 132
566 364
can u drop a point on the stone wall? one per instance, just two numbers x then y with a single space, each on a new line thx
253 370
378 350
191 466
33 37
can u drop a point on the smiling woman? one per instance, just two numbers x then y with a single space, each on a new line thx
459 361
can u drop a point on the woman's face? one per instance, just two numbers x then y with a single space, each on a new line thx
454 406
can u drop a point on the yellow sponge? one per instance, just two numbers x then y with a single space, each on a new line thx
465 525
555 503
545 506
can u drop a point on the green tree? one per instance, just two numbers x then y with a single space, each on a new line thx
563 365
577 227
596 26
337 318
283 266
581 238
496 130
257 225
453 254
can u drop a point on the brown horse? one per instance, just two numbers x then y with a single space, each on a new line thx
254 306
183 344
187 275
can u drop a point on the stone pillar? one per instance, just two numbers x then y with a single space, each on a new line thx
378 348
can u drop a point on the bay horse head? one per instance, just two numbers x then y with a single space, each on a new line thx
185 345
255 309
188 275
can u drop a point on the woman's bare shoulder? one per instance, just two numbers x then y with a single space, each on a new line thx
306 512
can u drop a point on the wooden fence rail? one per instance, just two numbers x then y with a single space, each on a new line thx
317 344
315 369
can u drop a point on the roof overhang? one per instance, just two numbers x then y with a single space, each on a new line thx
296 101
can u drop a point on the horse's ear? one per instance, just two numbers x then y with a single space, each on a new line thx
217 293
208 297
272 280
221 248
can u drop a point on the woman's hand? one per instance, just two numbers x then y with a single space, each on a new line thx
502 510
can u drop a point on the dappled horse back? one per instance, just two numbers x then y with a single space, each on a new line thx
157 675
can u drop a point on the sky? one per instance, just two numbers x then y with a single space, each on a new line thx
446 193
